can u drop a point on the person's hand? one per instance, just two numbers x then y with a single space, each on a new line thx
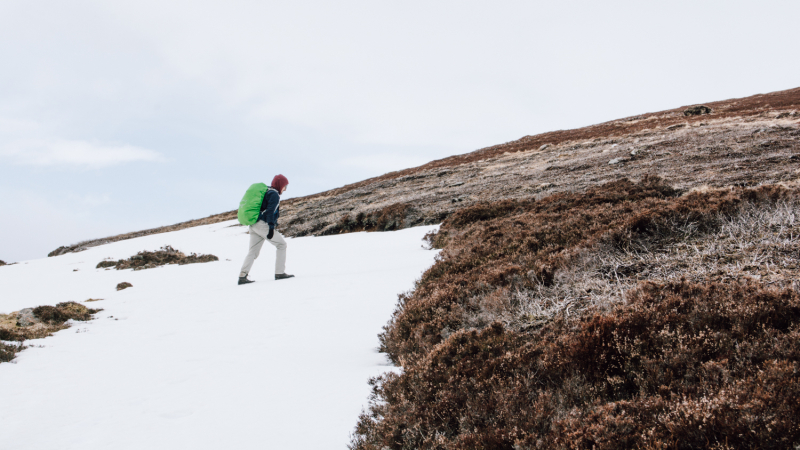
271 233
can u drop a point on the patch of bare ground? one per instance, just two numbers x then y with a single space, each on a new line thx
37 323
149 260
633 315
741 142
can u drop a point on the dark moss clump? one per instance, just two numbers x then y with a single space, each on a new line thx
63 312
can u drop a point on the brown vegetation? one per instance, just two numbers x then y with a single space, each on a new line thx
149 260
740 142
37 323
9 351
390 218
564 323
123 285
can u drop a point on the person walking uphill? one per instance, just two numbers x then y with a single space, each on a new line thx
264 229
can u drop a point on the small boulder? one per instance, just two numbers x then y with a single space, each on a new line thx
123 285
616 161
25 318
697 110
544 147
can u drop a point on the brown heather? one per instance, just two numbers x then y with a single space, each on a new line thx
49 320
162 257
630 316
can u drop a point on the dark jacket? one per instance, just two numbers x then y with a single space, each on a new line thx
270 208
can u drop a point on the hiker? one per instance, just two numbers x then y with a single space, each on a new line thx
264 229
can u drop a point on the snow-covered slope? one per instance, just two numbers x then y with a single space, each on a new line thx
186 358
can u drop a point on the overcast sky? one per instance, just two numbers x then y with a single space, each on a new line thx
117 116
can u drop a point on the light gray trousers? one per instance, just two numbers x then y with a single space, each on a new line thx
258 234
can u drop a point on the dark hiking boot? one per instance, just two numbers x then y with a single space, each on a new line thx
244 280
282 276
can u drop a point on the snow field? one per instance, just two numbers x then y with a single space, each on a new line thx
188 359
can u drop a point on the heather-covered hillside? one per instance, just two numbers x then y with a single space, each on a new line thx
739 142
629 316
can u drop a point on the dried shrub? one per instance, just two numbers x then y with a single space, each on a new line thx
63 311
11 334
695 364
123 285
2 263
148 260
50 314
8 351
518 336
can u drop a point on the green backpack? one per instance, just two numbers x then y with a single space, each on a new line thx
250 206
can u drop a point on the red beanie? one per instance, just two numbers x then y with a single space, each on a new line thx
279 182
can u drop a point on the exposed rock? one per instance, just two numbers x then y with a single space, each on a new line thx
616 161
123 285
26 318
676 126
697 110
544 147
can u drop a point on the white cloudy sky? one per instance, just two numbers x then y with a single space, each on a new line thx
118 116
